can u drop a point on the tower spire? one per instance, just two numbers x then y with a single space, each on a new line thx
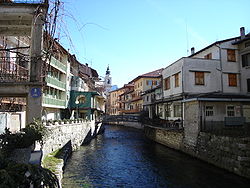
108 71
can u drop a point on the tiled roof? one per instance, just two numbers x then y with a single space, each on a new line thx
153 74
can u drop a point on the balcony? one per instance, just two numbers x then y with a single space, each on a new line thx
54 102
55 82
57 64
13 70
26 1
136 98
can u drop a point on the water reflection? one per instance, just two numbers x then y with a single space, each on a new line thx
122 157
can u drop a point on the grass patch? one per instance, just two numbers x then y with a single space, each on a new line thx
52 160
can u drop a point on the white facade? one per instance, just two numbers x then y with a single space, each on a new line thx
216 72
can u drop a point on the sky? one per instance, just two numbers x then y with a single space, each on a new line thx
134 37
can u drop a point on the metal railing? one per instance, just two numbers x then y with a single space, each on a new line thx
222 128
119 118
25 1
13 70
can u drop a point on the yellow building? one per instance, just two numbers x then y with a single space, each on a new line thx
114 101
141 84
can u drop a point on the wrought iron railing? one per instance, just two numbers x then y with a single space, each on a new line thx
13 69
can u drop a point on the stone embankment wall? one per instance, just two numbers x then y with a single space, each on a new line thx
60 135
136 125
230 153
68 137
167 137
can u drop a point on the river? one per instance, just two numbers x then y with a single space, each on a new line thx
123 157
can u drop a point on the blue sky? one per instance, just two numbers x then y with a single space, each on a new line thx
138 36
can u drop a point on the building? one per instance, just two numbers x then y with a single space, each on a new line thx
115 105
141 84
37 74
209 90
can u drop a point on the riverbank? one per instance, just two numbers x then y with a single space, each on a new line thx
230 153
63 139
124 157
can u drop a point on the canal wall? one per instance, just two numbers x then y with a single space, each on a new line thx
230 153
67 138
167 137
136 125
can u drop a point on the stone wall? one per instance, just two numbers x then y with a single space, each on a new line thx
60 135
68 137
167 137
191 122
231 153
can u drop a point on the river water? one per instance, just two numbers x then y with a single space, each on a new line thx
123 157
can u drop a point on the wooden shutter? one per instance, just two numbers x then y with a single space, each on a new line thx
176 77
199 78
232 80
231 55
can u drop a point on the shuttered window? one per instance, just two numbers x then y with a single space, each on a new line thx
231 55
167 83
199 78
208 56
176 80
232 80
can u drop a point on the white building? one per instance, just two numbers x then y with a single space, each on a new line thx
210 89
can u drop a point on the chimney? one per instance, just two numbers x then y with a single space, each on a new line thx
192 50
242 32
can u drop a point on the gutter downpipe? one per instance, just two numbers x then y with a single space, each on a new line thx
182 84
220 68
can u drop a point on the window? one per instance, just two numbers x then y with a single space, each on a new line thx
155 82
208 56
177 110
245 60
232 80
176 80
248 85
231 55
167 83
209 110
230 111
199 78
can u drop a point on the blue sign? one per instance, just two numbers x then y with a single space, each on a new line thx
35 92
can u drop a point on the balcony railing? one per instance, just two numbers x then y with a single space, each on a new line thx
25 1
55 82
53 101
57 64
13 70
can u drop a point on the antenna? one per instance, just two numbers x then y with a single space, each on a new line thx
187 37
